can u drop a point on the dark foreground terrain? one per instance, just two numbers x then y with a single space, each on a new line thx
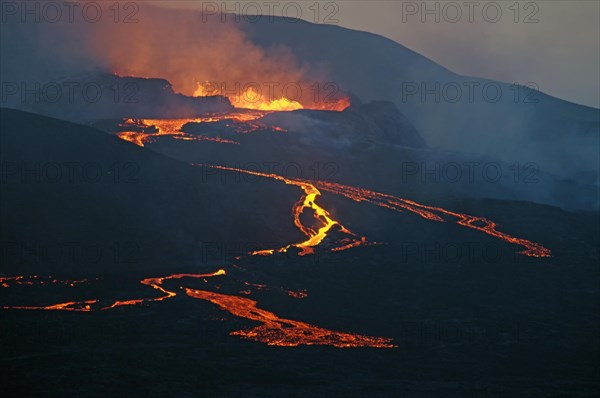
485 324
474 329
469 315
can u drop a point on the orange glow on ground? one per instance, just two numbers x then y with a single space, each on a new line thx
79 306
278 331
6 282
165 127
298 294
320 215
273 331
239 122
156 283
315 237
532 249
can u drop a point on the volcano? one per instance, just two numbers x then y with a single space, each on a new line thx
262 209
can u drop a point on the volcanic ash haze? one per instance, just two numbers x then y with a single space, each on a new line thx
199 54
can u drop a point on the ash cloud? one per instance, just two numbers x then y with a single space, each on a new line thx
185 48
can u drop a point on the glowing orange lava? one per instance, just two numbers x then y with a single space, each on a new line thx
79 306
243 122
251 98
315 237
156 283
165 127
278 331
38 280
298 294
321 216
488 227
274 331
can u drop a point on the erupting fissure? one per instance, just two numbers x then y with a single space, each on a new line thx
251 98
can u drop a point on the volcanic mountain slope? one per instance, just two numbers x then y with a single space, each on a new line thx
354 145
378 122
532 127
561 137
112 96
470 315
70 190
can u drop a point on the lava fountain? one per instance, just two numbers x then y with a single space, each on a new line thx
219 58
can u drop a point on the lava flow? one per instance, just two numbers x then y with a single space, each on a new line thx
280 331
273 331
532 249
164 127
238 122
307 201
157 283
315 237
79 306
298 294
284 332
38 280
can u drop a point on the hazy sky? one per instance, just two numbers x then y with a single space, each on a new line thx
553 43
